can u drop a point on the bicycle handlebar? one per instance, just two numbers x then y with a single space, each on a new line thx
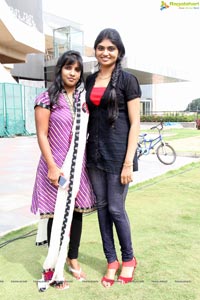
157 126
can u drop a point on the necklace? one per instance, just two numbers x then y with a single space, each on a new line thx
71 104
103 78
70 100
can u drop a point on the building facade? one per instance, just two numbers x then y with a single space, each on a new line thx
21 28
33 40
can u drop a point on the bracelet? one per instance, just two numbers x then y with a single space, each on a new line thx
128 164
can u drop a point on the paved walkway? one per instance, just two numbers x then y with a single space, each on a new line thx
18 162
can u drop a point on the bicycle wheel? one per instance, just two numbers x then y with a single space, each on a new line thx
166 154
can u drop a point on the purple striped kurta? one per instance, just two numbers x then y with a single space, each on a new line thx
59 136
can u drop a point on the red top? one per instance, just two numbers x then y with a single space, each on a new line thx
96 95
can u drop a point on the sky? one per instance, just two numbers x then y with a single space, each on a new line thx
170 35
168 38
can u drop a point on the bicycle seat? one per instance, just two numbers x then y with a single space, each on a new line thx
142 135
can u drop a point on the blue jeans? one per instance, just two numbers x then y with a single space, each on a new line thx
111 195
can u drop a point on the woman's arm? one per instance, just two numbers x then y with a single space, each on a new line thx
134 118
42 116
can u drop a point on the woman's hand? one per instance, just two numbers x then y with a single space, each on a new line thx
53 175
127 174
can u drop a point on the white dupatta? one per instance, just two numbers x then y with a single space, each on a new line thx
65 202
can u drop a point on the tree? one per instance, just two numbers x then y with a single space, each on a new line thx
194 105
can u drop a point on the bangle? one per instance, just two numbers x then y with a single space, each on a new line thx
128 164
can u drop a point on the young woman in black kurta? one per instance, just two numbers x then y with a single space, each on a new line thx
113 98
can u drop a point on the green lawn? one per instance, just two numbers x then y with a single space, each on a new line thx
164 214
181 133
176 133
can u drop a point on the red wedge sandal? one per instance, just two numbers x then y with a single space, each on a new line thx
106 282
133 264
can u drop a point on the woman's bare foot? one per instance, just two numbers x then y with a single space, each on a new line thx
60 285
127 271
109 278
75 269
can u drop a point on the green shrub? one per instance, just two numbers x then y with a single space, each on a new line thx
169 118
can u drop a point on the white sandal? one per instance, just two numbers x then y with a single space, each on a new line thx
78 272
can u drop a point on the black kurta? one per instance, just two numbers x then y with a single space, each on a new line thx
107 145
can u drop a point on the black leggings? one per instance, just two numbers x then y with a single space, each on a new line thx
75 235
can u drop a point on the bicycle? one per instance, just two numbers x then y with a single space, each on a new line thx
165 153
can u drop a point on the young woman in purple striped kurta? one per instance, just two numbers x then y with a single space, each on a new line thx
54 123
59 136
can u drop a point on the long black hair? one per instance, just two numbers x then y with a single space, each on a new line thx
114 36
67 58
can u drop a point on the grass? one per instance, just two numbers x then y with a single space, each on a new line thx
183 140
175 133
164 215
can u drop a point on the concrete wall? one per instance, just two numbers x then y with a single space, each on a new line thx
33 68
29 12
